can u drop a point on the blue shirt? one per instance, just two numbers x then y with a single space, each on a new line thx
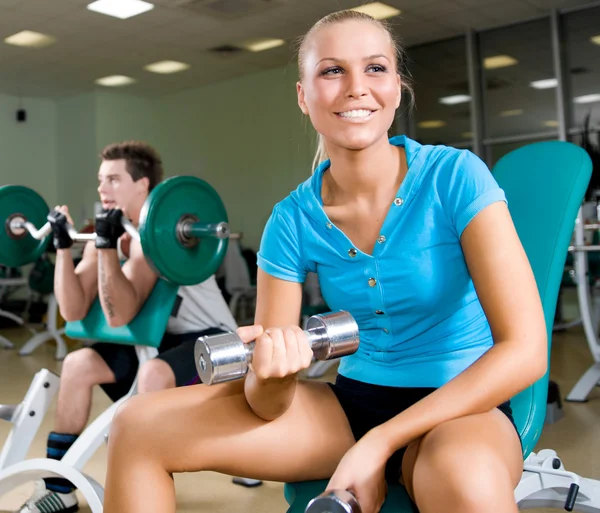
420 320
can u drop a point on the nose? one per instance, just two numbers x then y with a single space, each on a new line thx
357 86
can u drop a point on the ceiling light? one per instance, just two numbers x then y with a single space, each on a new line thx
499 61
378 10
115 81
587 98
434 123
453 100
259 45
552 123
510 113
30 39
547 83
595 40
167 67
467 135
122 9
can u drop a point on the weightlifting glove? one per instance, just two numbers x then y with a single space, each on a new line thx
60 234
109 228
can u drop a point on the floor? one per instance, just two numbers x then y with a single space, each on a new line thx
574 437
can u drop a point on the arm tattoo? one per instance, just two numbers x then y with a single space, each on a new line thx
104 287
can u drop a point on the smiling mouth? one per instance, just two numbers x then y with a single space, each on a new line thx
358 114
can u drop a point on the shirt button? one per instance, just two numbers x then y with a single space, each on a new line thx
385 330
379 312
329 225
381 239
398 201
372 282
352 252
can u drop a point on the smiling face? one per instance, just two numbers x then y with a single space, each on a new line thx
349 83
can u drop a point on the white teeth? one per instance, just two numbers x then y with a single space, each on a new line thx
362 113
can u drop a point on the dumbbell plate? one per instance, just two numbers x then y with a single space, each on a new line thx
21 202
169 202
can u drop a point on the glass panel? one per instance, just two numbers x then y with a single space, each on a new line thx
443 110
582 34
514 60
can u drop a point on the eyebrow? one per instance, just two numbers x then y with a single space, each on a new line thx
108 176
369 58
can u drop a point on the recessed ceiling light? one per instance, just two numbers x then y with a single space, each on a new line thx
115 81
547 83
378 10
552 123
587 98
510 113
167 67
454 100
30 39
499 61
434 123
260 45
122 9
595 40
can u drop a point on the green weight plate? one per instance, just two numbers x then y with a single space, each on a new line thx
168 202
16 200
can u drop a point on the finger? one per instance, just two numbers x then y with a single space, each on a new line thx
292 350
262 357
249 333
279 364
306 353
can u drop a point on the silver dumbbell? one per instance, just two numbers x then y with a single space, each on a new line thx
336 501
225 357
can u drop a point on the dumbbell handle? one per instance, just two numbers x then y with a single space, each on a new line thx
219 230
225 357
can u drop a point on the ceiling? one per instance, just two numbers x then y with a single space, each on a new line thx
91 45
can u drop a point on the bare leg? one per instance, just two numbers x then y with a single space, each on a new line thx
212 428
467 465
82 370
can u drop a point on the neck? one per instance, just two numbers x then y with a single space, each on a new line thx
365 174
134 212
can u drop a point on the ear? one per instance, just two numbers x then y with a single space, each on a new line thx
144 184
301 102
399 97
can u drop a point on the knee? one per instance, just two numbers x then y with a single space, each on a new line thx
155 375
82 366
467 474
130 422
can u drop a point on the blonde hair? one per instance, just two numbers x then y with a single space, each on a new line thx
339 17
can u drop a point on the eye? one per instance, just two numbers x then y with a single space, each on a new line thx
332 71
377 68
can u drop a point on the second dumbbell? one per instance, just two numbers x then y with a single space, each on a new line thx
337 501
221 358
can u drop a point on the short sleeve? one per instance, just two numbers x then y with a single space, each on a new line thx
280 249
471 188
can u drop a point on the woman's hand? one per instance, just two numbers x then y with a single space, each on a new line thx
362 472
278 352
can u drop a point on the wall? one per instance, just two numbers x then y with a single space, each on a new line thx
246 137
28 149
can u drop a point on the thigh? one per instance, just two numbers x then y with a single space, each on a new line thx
486 442
122 360
212 428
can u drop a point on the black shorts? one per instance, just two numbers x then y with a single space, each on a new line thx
367 406
175 350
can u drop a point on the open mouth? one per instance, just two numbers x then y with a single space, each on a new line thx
357 114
